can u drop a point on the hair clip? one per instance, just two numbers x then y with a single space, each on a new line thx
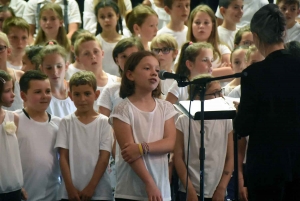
190 43
50 43
2 80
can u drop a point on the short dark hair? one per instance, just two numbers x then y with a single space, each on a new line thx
269 24
127 86
29 76
293 47
83 78
32 53
288 2
225 3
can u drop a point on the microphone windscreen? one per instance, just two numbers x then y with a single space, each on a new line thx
161 74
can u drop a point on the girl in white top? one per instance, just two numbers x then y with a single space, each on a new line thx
202 27
53 60
194 59
158 6
90 19
109 19
145 131
218 143
166 48
74 66
89 53
11 180
238 64
110 97
142 21
15 74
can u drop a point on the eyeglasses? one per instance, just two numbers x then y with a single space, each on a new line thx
164 50
2 48
216 94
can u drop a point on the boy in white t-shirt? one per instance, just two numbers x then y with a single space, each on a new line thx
36 133
179 11
290 9
84 140
232 12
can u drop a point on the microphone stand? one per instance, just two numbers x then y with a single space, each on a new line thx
201 82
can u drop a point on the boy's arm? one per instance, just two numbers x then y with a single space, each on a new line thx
180 166
123 132
88 191
220 191
73 193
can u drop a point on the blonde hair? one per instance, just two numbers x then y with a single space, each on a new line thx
120 3
61 35
4 38
15 22
51 49
250 50
83 78
214 37
138 16
165 39
82 38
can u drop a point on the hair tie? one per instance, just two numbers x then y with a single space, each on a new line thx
190 43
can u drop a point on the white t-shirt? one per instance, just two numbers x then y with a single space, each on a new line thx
165 86
293 34
31 16
61 108
71 70
146 127
90 19
215 143
111 80
110 96
39 158
18 101
227 37
108 63
180 92
84 141
18 7
9 65
10 166
227 89
236 92
250 7
163 17
180 36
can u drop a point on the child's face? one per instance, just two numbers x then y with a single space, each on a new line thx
8 94
290 12
4 16
202 26
107 18
180 10
165 59
145 74
238 60
149 28
50 23
202 64
247 39
18 39
234 12
54 66
122 57
27 65
83 97
38 95
214 91
4 51
255 57
90 55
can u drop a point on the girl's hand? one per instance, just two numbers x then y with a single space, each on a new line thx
153 192
24 195
130 152
192 195
219 194
74 194
87 193
243 192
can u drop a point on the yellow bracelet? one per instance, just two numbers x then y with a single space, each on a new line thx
141 149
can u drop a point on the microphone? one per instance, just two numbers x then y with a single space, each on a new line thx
166 75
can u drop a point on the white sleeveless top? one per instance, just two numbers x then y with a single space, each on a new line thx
11 178
61 108
18 102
